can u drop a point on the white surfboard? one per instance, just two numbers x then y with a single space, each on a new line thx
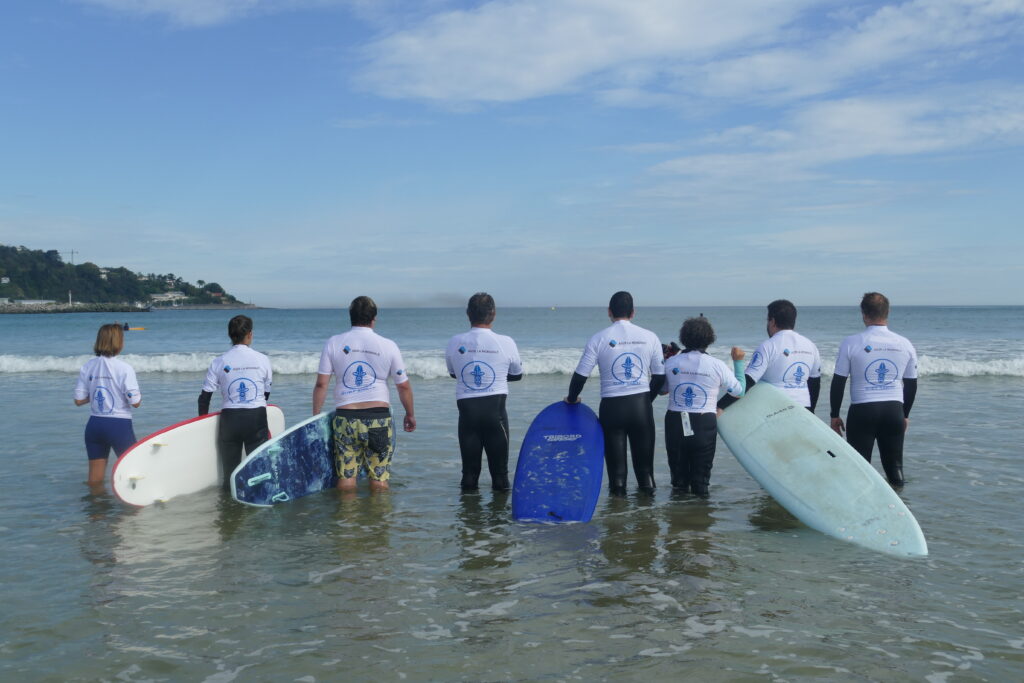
176 460
812 472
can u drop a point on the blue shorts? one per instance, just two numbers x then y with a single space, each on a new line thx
104 433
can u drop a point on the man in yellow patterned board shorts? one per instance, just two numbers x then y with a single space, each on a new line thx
361 362
363 441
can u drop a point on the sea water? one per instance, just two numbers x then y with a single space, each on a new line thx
426 583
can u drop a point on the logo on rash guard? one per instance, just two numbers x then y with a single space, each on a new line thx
689 395
104 400
242 390
346 350
796 375
478 376
756 359
881 373
462 349
359 375
867 349
612 343
628 368
227 368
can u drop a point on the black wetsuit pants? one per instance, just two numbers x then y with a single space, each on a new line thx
883 422
628 419
690 457
483 426
239 428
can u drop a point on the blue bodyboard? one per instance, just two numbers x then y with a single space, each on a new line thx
561 466
297 463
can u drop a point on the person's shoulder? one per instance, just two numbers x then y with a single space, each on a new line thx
505 339
852 338
902 338
806 340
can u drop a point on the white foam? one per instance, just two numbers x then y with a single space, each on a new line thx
429 364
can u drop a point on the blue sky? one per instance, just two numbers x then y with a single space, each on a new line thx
302 152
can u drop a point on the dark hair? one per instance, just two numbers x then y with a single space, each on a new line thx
480 309
239 328
362 311
875 306
109 340
696 334
783 312
621 305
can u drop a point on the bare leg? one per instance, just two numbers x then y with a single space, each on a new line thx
97 472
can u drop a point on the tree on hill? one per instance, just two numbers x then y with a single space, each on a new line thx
35 274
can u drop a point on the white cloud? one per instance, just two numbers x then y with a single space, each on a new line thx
649 52
506 51
914 39
857 128
203 13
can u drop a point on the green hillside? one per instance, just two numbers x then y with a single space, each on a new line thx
35 274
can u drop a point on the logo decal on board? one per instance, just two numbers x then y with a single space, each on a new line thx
562 437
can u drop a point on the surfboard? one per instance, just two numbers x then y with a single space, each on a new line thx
176 460
816 475
561 466
297 463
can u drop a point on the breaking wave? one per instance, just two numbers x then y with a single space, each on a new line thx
431 365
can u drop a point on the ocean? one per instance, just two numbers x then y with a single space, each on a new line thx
424 583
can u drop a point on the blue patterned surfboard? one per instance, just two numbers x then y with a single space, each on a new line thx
561 466
297 463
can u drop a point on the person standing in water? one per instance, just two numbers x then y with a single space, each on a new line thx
362 361
483 363
632 368
787 360
244 378
109 385
882 368
693 380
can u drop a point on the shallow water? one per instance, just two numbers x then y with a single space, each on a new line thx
424 583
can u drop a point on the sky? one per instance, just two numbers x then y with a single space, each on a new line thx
550 152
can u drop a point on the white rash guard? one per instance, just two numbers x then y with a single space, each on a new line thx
362 361
110 385
242 375
627 356
877 361
786 360
481 361
694 380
